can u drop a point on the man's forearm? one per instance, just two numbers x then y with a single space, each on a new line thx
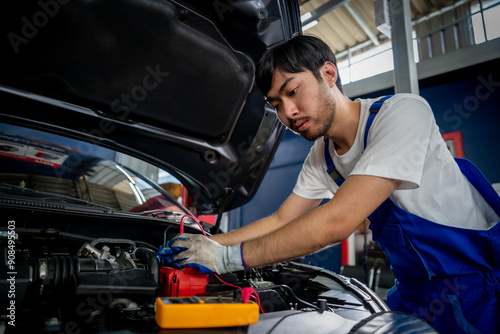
293 207
326 225
305 235
247 232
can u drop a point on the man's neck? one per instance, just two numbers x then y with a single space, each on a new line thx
345 127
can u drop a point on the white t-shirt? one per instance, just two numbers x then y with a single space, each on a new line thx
403 143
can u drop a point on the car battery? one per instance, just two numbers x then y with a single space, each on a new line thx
185 282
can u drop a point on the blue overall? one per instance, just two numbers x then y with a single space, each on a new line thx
445 275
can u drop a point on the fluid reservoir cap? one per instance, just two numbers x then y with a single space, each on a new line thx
323 305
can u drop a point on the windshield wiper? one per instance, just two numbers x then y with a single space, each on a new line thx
47 196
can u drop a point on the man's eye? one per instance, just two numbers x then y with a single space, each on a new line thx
293 92
277 106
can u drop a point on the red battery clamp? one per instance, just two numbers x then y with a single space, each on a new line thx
185 282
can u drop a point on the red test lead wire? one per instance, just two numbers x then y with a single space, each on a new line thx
246 293
181 228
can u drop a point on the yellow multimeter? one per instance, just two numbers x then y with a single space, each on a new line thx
199 312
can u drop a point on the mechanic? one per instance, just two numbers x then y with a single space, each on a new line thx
435 218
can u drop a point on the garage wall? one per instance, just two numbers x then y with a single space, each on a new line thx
471 104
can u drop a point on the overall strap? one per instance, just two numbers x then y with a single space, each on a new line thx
330 167
374 108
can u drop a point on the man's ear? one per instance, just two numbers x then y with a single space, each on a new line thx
329 73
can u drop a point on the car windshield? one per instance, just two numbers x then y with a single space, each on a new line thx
61 168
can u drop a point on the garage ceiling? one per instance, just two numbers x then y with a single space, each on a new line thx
353 22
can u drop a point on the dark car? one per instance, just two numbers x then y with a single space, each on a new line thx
171 84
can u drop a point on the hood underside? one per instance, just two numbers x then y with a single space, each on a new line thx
169 82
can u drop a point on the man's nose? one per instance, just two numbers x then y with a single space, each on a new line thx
290 110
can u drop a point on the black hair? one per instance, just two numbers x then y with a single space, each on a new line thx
296 55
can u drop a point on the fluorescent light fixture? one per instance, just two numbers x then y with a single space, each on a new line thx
306 16
309 25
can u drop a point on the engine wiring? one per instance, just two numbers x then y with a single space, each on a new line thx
246 293
286 287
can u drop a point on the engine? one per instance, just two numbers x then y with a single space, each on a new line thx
71 284
63 283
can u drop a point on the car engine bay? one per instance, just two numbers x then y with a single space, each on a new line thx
66 281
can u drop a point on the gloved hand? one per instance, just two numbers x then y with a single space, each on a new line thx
168 251
198 251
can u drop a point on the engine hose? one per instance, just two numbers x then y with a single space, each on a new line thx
100 323
152 263
56 271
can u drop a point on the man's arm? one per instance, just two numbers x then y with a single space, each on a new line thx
293 207
326 225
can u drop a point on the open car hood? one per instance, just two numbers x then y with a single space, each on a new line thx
169 82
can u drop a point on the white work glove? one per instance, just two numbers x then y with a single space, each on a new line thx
206 255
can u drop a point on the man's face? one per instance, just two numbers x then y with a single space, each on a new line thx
304 104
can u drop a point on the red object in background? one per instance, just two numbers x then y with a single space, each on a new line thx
344 251
181 282
187 201
455 144
211 219
154 204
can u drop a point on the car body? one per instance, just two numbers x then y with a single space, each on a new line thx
171 83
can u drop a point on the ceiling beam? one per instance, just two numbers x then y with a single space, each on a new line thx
362 23
322 10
